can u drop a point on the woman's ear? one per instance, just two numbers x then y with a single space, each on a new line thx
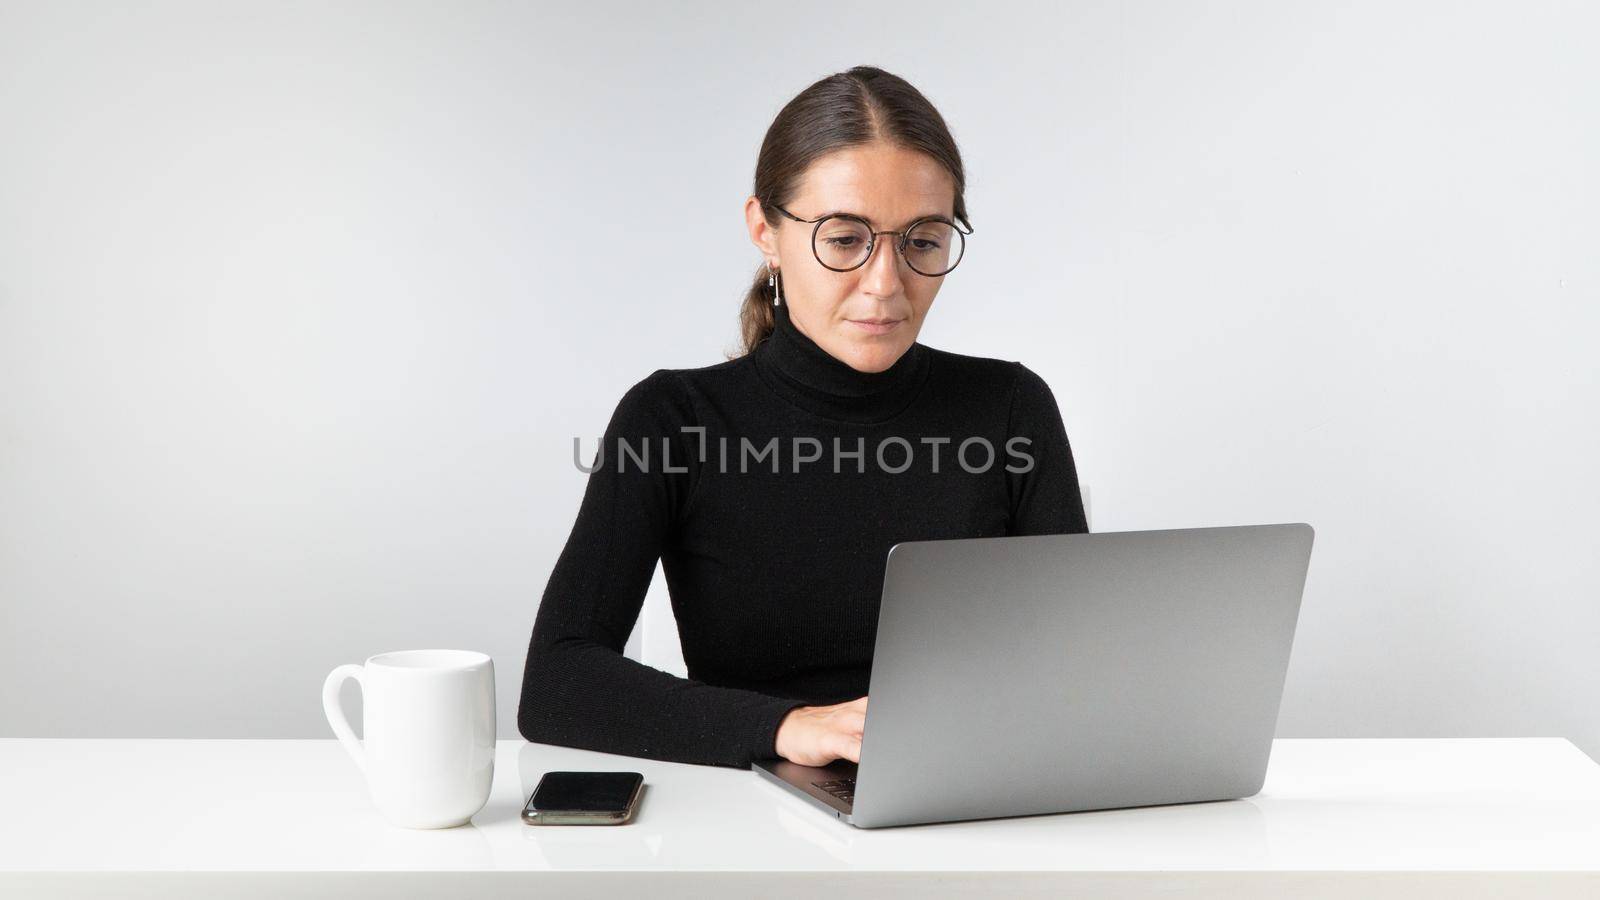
762 234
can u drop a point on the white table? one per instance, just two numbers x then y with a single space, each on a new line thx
1459 818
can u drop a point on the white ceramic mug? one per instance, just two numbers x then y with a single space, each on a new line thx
427 747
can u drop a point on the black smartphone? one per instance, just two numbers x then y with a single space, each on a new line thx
584 798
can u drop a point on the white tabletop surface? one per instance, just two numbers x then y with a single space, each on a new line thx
1469 807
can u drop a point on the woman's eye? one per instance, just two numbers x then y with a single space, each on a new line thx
924 244
847 241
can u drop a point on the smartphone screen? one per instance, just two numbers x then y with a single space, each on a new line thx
588 792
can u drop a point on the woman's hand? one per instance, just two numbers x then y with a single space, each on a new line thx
818 735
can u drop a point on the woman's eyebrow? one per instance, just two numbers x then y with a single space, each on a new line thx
845 212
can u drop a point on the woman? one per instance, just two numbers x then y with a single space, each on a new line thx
772 485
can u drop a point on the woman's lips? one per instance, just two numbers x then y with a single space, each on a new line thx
876 326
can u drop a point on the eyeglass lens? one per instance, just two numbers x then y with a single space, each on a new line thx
932 247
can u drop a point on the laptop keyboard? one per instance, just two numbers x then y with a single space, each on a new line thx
844 788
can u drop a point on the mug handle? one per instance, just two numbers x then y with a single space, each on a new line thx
335 712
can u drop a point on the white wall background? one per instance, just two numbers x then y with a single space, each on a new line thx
302 304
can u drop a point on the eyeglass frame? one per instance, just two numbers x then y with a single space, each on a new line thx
872 239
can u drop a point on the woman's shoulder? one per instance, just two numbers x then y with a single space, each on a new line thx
668 395
656 403
1006 385
985 373
672 383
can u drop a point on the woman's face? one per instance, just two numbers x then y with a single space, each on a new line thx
890 187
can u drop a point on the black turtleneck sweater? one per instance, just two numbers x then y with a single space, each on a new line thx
775 576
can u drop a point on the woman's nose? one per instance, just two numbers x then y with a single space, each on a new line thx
882 269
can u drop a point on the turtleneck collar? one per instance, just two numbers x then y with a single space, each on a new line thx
815 380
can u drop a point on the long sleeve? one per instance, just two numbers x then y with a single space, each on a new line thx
578 689
1045 499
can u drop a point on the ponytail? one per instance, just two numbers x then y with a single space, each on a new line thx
755 314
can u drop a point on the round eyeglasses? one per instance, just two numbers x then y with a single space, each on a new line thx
931 246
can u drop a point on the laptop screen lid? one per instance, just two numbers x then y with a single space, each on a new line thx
1052 673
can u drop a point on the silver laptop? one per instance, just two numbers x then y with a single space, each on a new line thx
1015 676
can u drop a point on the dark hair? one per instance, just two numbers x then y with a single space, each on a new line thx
848 109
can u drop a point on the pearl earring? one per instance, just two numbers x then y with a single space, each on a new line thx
777 287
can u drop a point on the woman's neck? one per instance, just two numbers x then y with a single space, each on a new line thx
811 377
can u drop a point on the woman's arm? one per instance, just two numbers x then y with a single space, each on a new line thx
1045 499
578 689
